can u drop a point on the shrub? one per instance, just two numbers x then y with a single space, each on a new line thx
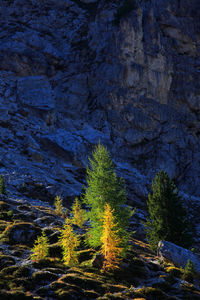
40 249
58 206
167 219
69 242
10 213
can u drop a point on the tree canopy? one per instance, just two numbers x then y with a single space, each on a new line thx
167 217
103 186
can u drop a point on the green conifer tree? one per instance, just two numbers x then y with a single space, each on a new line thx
2 186
167 219
189 271
103 186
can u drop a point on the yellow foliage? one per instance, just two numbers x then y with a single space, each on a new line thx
110 241
69 242
58 206
78 213
40 248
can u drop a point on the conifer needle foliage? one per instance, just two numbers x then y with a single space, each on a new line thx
110 240
40 249
78 213
58 206
69 242
103 186
167 219
189 271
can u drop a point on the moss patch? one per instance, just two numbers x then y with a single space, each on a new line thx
24 283
114 288
51 263
6 261
44 276
90 294
22 271
83 281
173 271
16 294
4 206
3 225
151 293
8 270
69 294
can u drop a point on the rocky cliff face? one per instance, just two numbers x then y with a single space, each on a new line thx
69 77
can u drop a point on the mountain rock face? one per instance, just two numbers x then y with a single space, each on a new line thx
70 77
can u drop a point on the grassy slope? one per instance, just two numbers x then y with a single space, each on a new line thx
141 274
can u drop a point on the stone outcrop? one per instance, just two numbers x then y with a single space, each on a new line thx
70 77
178 255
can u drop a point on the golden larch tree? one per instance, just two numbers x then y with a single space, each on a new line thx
40 249
110 240
78 213
69 242
58 206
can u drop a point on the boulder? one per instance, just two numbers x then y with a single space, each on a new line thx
178 255
98 261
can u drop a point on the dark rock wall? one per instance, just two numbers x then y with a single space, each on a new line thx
69 78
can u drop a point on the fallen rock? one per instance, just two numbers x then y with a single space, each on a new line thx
178 255
98 261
